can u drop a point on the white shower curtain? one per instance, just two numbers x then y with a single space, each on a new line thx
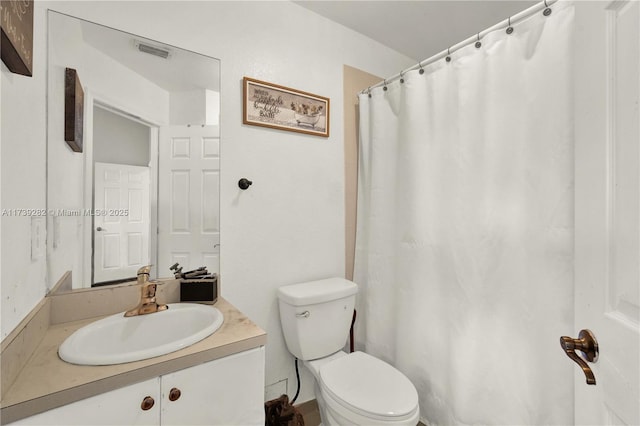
464 253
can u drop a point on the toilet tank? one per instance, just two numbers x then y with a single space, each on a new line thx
316 316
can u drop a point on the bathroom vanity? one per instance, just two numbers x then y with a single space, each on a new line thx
226 391
218 380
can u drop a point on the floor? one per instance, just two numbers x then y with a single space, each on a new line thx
311 414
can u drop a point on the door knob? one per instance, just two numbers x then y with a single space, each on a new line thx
588 345
100 228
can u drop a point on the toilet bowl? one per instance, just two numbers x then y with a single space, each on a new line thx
360 389
351 389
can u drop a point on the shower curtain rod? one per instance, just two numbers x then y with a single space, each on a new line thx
507 23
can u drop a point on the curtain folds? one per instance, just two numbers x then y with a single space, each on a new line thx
464 252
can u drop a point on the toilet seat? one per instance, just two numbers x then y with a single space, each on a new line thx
369 387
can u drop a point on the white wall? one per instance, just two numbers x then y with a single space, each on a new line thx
212 107
23 158
193 107
289 225
118 140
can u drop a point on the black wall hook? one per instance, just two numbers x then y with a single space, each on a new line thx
244 183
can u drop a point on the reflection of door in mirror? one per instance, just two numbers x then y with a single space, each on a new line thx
121 223
134 87
121 196
188 207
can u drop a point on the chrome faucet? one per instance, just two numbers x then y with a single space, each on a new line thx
147 304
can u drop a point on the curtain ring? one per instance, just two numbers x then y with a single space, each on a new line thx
421 70
448 58
385 85
478 44
509 28
401 77
547 10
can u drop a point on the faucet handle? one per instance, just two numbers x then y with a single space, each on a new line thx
145 270
143 274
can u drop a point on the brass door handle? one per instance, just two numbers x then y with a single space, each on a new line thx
588 345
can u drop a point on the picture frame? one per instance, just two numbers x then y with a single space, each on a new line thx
283 108
73 110
16 28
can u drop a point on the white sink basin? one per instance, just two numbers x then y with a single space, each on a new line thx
116 339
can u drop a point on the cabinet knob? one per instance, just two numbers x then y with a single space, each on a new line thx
147 403
174 394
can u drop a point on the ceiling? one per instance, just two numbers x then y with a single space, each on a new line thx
420 28
417 29
182 71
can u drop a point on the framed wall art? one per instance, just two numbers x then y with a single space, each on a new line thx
279 107
16 26
73 110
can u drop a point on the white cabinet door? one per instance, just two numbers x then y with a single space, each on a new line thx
227 391
118 407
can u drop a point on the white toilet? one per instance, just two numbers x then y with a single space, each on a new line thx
351 389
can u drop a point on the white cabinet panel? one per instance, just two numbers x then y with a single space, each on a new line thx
227 391
118 407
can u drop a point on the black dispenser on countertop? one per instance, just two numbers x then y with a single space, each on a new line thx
197 285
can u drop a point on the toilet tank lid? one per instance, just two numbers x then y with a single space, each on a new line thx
312 292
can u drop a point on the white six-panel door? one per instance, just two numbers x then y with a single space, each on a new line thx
188 199
121 221
607 209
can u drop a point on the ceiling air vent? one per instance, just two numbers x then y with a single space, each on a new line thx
153 50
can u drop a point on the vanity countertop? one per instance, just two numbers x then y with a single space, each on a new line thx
47 382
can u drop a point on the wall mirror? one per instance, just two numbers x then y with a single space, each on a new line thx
145 188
